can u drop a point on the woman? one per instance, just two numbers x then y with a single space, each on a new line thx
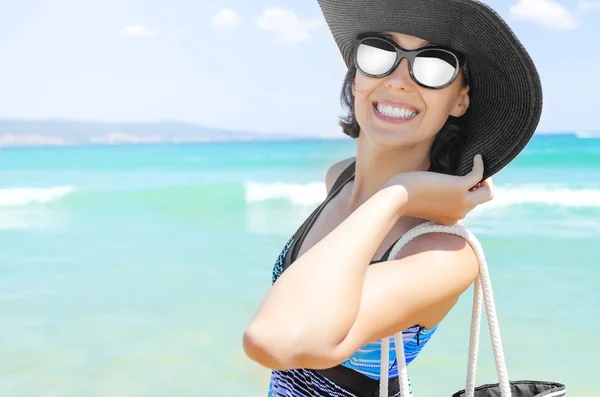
467 87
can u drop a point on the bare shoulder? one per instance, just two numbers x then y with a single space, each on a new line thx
449 257
438 241
450 251
455 249
335 170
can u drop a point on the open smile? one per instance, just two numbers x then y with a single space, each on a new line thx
393 115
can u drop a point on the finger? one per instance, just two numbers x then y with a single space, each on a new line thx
476 174
480 195
490 185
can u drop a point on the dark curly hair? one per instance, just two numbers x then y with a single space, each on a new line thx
447 145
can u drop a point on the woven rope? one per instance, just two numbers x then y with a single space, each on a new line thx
384 366
482 291
474 339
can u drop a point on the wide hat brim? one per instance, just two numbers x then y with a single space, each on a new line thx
505 93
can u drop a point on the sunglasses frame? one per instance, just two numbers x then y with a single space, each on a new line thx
410 55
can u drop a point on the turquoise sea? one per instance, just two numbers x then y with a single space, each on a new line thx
133 270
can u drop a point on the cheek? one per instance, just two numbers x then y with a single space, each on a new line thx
363 88
438 106
363 85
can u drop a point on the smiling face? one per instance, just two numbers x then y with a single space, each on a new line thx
426 110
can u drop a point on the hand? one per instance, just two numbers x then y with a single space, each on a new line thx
441 198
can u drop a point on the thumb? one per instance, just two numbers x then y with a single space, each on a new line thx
476 174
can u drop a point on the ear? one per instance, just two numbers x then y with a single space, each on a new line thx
462 104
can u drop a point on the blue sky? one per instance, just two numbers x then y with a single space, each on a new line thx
264 66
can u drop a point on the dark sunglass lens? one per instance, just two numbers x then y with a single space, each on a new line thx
375 56
435 67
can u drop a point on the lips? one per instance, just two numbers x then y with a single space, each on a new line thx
396 104
390 119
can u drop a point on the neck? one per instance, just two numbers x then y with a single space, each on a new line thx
375 165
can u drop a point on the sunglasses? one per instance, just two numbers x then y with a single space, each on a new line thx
433 66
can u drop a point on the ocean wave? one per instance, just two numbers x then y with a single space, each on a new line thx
224 195
314 193
21 196
309 194
540 195
185 200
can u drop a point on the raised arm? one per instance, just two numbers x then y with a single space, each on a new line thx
313 304
330 302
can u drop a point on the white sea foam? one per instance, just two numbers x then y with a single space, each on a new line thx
298 194
314 193
20 196
536 194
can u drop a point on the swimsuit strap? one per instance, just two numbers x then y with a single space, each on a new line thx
347 173
303 229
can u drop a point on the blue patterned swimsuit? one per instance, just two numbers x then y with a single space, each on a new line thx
358 376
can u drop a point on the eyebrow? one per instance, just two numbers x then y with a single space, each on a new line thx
391 36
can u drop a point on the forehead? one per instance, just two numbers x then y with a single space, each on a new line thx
405 40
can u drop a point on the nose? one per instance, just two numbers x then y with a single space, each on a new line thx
400 78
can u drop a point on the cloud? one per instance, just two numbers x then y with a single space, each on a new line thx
138 31
286 26
546 13
587 5
225 18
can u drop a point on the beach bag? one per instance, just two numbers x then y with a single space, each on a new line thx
482 292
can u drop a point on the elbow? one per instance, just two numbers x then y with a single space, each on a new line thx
285 350
273 351
268 349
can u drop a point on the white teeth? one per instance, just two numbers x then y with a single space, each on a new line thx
395 112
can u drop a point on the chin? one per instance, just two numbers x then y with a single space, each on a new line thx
389 139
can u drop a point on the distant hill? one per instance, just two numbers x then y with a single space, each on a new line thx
14 132
21 132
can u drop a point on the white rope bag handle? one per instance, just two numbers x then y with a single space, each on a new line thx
482 286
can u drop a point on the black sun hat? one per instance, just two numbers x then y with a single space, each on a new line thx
505 88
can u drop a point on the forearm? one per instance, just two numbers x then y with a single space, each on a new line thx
315 302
